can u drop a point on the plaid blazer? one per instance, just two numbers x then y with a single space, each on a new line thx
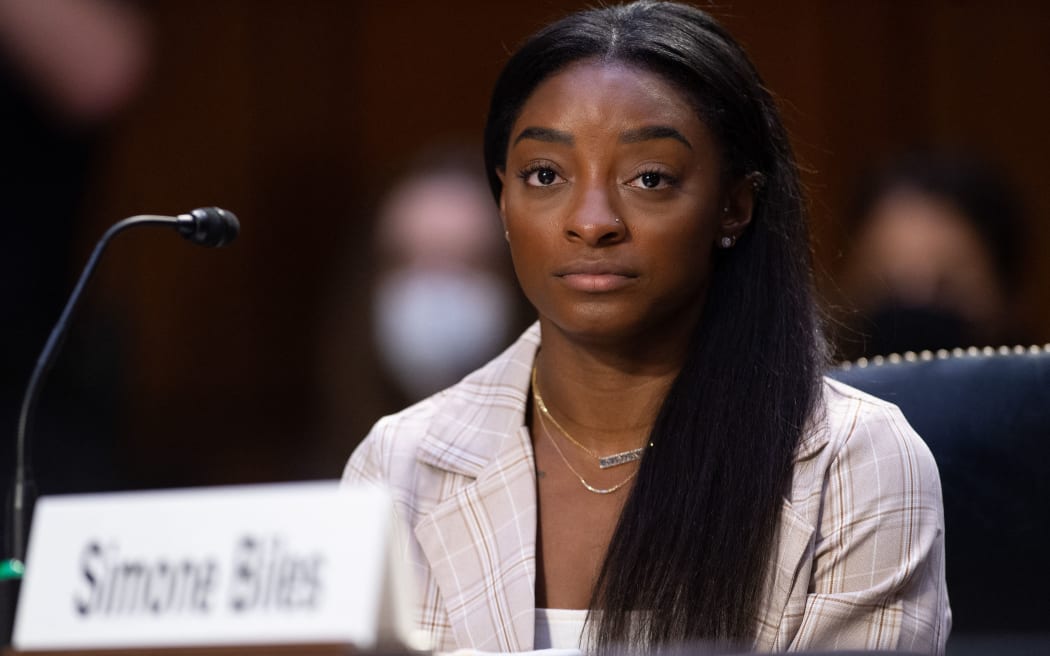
858 561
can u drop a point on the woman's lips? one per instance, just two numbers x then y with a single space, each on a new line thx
596 282
596 278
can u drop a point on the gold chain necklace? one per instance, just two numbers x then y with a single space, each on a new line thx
604 462
590 488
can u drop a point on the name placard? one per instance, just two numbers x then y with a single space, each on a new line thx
250 565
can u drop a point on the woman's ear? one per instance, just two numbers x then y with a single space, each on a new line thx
739 204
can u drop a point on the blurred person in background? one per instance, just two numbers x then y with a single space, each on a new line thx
436 292
67 69
935 260
443 302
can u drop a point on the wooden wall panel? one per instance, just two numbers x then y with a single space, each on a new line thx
253 364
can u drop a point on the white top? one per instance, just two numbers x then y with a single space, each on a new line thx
559 628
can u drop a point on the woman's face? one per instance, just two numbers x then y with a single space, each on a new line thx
613 202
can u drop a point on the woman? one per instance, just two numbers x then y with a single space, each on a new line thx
665 462
935 258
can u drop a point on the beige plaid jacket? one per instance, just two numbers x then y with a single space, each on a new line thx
859 557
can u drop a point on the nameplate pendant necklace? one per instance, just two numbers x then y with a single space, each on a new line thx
604 462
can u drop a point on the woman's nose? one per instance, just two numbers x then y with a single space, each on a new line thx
594 220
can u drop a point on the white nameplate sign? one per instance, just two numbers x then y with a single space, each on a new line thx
303 563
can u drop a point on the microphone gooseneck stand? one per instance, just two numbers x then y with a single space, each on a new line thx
206 226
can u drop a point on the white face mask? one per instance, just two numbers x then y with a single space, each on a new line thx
434 326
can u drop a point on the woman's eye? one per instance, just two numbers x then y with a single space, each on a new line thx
540 177
651 180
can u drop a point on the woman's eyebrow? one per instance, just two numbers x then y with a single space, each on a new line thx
653 132
548 135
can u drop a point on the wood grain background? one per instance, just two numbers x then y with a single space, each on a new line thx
254 364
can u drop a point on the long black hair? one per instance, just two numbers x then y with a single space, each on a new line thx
694 542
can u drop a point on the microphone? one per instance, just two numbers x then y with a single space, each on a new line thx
207 226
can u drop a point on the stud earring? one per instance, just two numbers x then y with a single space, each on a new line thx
725 210
758 181
727 242
506 235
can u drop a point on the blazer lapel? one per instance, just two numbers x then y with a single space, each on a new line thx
795 542
794 555
481 545
480 539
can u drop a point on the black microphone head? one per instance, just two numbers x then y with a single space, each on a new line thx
209 226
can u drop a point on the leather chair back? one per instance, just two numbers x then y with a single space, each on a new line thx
985 415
